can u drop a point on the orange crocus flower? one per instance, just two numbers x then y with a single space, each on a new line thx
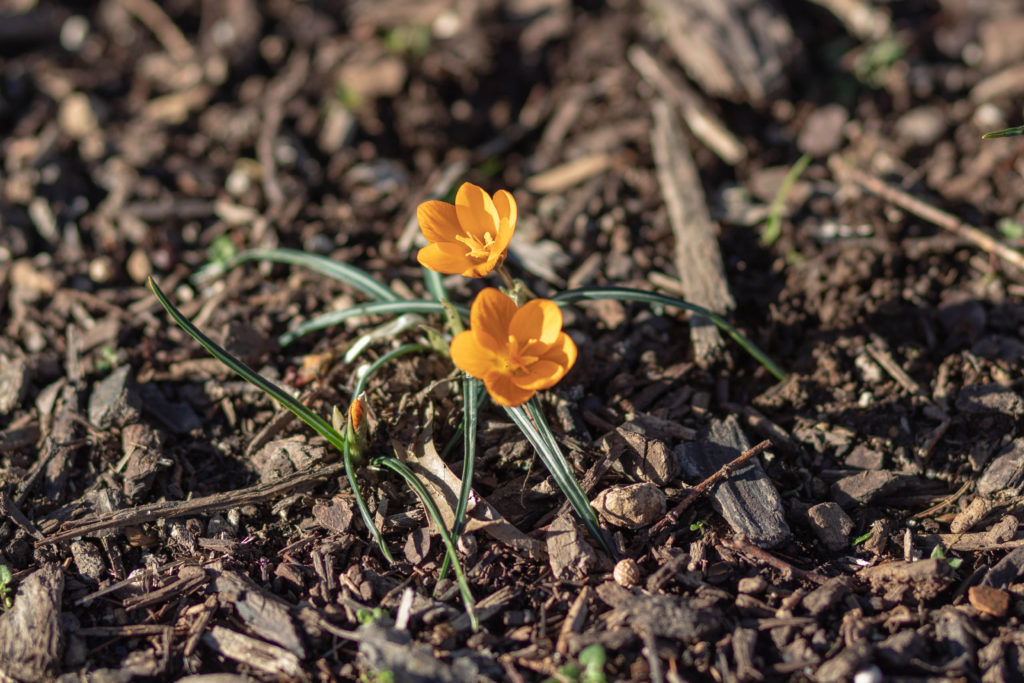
515 351
469 237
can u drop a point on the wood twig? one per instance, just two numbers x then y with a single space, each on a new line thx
187 508
742 544
925 211
691 495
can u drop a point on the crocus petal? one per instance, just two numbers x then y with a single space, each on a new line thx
563 352
504 391
444 257
543 374
505 203
476 211
491 314
539 320
438 221
470 356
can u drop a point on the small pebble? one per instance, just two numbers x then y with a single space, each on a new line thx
626 573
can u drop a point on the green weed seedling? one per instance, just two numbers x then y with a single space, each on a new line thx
513 348
590 668
939 553
6 577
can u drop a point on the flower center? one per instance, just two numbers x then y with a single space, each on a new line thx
516 362
478 251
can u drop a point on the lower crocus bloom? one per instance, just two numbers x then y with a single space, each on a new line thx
515 351
469 237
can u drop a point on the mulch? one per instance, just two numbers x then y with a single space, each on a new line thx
165 520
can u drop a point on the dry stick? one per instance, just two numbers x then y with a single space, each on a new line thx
161 25
926 211
196 506
744 546
724 473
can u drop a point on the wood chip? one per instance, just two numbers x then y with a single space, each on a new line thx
697 257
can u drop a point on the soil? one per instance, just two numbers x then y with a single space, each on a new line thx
162 518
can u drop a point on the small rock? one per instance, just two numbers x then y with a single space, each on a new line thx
14 381
633 506
865 458
115 400
77 117
830 524
752 585
864 487
921 126
987 600
989 398
626 573
1005 472
29 281
642 457
822 132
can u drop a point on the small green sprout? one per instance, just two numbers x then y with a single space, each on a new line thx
366 615
221 250
939 553
589 670
411 39
862 538
385 676
6 577
700 526
107 358
1010 228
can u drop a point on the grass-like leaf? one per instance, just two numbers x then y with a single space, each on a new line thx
400 468
355 277
372 308
539 435
773 226
1004 133
630 294
317 423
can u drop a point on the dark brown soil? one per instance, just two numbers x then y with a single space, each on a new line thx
163 519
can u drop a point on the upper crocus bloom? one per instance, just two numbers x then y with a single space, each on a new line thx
469 237
515 351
